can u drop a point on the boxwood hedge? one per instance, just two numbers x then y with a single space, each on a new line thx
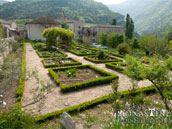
75 62
107 78
92 103
89 58
115 67
21 85
82 54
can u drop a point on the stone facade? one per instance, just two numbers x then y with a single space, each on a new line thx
92 31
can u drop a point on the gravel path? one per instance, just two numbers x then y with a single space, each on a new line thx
54 100
57 100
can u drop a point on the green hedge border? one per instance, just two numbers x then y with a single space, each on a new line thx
102 61
96 49
115 67
60 65
90 83
47 56
92 103
81 54
117 55
21 85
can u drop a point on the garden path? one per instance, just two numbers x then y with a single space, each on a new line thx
56 100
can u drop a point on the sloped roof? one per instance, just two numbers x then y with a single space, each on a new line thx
5 22
44 20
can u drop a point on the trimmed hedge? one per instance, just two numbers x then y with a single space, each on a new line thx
46 56
115 67
21 85
92 103
101 61
59 65
95 49
77 86
117 55
81 54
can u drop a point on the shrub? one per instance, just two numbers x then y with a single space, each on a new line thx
135 44
16 119
71 72
123 48
101 55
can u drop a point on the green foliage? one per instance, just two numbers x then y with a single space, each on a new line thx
153 45
156 72
101 55
135 44
91 58
102 38
139 99
109 39
51 35
123 48
81 51
115 67
21 85
91 120
71 72
75 62
85 10
16 119
0 31
65 25
129 27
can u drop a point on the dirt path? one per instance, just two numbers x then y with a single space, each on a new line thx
55 100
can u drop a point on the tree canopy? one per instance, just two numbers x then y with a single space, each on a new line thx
51 35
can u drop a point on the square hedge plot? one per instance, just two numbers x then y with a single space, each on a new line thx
94 59
86 76
49 62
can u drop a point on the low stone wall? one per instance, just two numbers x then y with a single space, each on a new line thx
5 48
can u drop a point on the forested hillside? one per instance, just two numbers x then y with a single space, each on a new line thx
2 2
85 10
148 15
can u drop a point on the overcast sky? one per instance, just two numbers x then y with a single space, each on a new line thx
111 1
105 1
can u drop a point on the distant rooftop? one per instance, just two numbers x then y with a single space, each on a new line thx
44 20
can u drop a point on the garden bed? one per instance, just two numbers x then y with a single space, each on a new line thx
49 62
78 77
116 66
106 59
47 54
80 51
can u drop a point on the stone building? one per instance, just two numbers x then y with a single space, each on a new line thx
92 31
9 28
38 25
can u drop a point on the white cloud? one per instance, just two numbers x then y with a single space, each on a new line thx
10 0
111 1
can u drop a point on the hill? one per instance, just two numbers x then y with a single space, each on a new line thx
2 2
148 15
85 10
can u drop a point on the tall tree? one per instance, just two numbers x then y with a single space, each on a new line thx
129 30
114 22
65 25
